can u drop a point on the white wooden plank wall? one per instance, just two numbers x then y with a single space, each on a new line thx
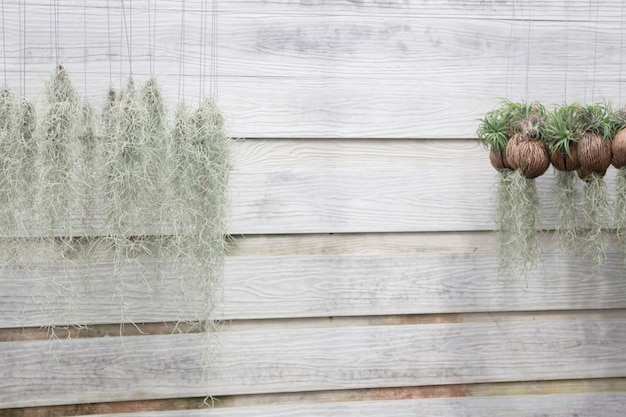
363 277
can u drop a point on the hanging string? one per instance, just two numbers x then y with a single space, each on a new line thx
110 44
530 25
56 32
621 47
85 48
181 61
23 32
595 53
129 34
4 46
202 50
508 89
154 28
566 49
150 40
19 19
214 52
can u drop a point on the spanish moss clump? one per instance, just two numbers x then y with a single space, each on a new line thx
201 146
57 139
567 213
620 209
129 187
596 215
504 221
89 166
524 218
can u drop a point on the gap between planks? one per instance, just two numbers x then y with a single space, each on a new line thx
153 329
574 386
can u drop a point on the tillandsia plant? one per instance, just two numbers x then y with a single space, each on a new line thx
562 132
595 155
513 132
18 155
57 137
201 152
618 149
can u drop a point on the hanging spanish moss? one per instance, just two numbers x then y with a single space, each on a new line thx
201 180
504 221
57 137
524 218
596 215
620 209
567 212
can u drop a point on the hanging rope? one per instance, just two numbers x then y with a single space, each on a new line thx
4 46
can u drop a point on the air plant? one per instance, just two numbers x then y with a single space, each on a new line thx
201 152
513 132
618 149
595 156
562 132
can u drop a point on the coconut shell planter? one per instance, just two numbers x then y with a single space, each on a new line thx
581 142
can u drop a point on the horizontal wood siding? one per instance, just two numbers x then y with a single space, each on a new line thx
335 68
362 276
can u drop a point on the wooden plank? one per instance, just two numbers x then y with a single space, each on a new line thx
314 276
563 405
329 70
144 367
350 398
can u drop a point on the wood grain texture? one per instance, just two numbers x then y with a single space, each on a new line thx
143 367
314 276
561 405
334 69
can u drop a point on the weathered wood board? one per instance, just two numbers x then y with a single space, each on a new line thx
558 405
257 361
417 274
331 69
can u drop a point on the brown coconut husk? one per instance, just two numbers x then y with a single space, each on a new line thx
511 151
498 159
594 154
618 148
563 162
532 158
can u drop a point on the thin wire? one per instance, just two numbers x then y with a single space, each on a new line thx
150 40
181 61
56 32
85 48
110 44
621 47
19 11
530 24
154 28
129 41
508 89
4 46
24 46
202 49
566 49
214 51
595 54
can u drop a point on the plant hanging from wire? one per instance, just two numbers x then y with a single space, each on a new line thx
513 132
562 132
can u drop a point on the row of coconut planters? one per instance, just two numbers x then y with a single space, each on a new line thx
130 180
581 142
